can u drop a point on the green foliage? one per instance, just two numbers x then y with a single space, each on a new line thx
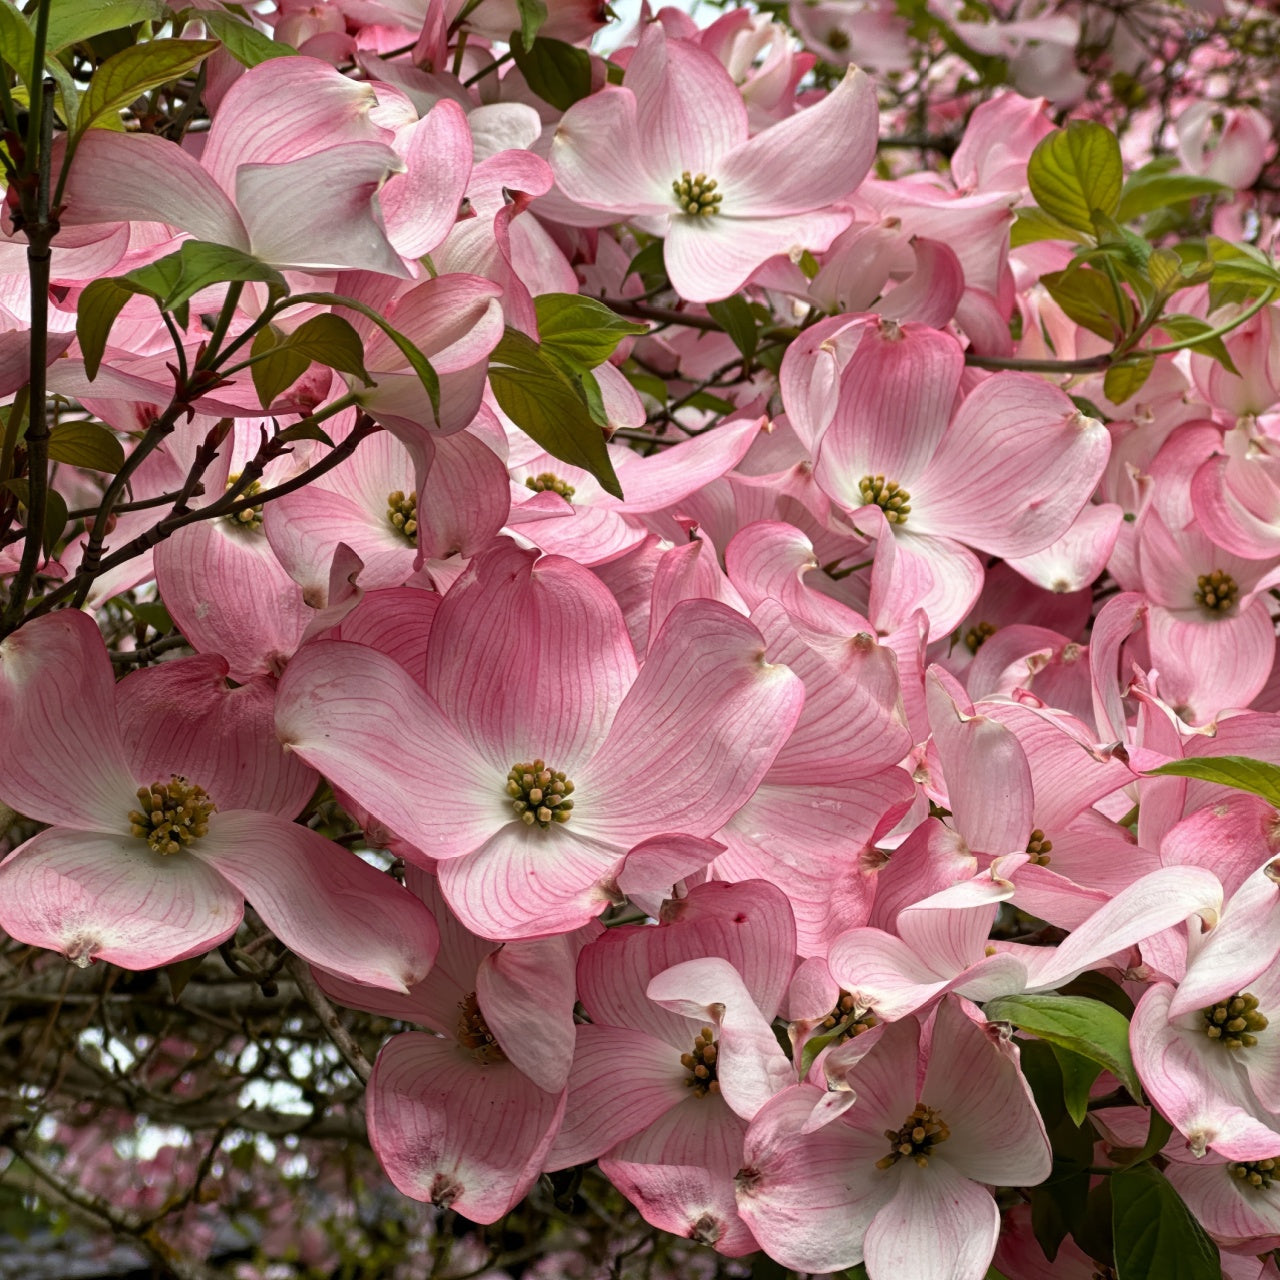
734 316
73 21
1076 172
1154 1232
550 405
244 42
86 444
580 332
559 73
135 70
325 339
1255 776
1084 1026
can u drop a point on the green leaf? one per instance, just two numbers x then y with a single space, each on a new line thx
245 43
1155 1234
330 340
416 360
1088 298
1084 1026
275 367
180 973
559 73
132 72
1125 380
1255 776
734 316
86 444
533 15
649 263
1146 193
1183 328
815 1044
580 332
1076 171
1031 225
55 510
307 429
1078 1075
203 264
72 21
100 304
543 401
17 44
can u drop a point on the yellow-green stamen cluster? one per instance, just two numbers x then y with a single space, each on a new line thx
977 636
1233 1021
697 194
473 1031
402 512
701 1064
922 1130
171 814
1258 1174
846 1008
1039 847
250 517
549 482
890 497
1217 592
539 794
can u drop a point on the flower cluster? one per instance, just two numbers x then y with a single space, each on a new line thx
801 629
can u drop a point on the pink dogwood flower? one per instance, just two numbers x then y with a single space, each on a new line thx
670 147
898 1179
535 757
170 802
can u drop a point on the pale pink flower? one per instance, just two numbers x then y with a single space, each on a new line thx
674 136
530 671
898 1179
144 882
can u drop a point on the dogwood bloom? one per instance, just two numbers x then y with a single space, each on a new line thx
670 147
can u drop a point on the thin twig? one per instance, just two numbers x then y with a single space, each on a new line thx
342 1039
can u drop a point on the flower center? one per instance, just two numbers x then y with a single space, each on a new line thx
402 512
891 498
850 1016
1233 1021
701 1064
697 194
1039 847
171 814
1217 591
539 794
1259 1174
250 517
473 1031
922 1130
549 481
977 636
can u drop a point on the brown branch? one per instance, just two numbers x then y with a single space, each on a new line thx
342 1039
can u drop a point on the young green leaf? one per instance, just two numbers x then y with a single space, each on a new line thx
1144 193
1089 298
533 15
245 43
537 394
100 304
580 332
1125 380
1078 1075
135 70
1155 1234
559 73
203 264
55 511
734 316
1076 171
1255 776
86 444
1087 1027
72 21
276 367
